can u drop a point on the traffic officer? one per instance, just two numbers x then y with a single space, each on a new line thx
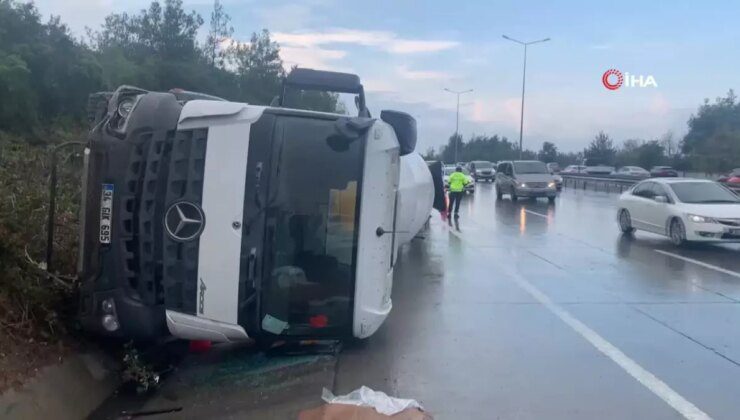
458 181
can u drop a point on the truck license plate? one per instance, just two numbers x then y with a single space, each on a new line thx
106 213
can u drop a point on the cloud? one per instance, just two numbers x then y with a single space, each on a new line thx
78 14
378 85
659 105
316 58
405 46
383 40
602 47
287 16
406 73
491 110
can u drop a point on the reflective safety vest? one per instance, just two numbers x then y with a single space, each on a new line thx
458 181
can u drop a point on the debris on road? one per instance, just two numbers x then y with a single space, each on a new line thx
365 404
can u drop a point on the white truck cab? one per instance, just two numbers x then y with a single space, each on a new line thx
222 221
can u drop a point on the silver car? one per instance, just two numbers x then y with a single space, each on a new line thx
525 178
482 170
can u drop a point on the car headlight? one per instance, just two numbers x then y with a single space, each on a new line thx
551 185
699 219
523 185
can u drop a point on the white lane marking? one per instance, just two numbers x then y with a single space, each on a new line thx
699 263
642 375
536 214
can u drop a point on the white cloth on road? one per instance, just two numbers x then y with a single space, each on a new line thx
366 397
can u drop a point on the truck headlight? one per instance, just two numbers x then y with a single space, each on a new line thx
125 106
551 185
108 306
109 320
523 185
699 219
110 323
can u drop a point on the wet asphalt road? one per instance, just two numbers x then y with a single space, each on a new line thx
523 310
530 310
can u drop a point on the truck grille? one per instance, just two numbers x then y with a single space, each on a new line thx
143 204
536 184
164 167
185 183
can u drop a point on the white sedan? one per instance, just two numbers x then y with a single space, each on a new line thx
635 171
683 209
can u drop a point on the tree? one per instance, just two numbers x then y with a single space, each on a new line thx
44 72
650 154
601 149
259 68
220 32
713 141
178 31
548 153
430 154
448 151
669 144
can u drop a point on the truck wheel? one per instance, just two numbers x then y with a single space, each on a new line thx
513 195
499 195
551 199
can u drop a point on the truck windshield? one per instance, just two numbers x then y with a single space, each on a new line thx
522 168
482 165
311 232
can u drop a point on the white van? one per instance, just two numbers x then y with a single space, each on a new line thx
525 178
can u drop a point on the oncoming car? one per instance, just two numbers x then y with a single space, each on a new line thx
634 171
683 209
525 178
482 170
574 169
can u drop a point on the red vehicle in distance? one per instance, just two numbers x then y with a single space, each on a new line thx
732 178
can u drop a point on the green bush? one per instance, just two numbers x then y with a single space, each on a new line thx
32 303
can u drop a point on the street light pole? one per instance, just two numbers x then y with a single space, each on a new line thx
457 116
524 81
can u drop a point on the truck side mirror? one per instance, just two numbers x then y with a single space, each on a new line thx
405 127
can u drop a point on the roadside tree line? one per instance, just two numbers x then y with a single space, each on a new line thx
46 73
711 145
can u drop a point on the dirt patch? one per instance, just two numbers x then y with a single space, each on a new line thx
21 359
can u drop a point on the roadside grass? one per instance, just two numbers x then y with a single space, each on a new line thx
36 309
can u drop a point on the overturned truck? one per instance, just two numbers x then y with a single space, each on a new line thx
214 220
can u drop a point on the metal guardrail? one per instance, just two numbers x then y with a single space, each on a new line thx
605 183
611 183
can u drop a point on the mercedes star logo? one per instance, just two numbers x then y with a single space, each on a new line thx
184 221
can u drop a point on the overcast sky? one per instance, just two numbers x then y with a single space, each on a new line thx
406 52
